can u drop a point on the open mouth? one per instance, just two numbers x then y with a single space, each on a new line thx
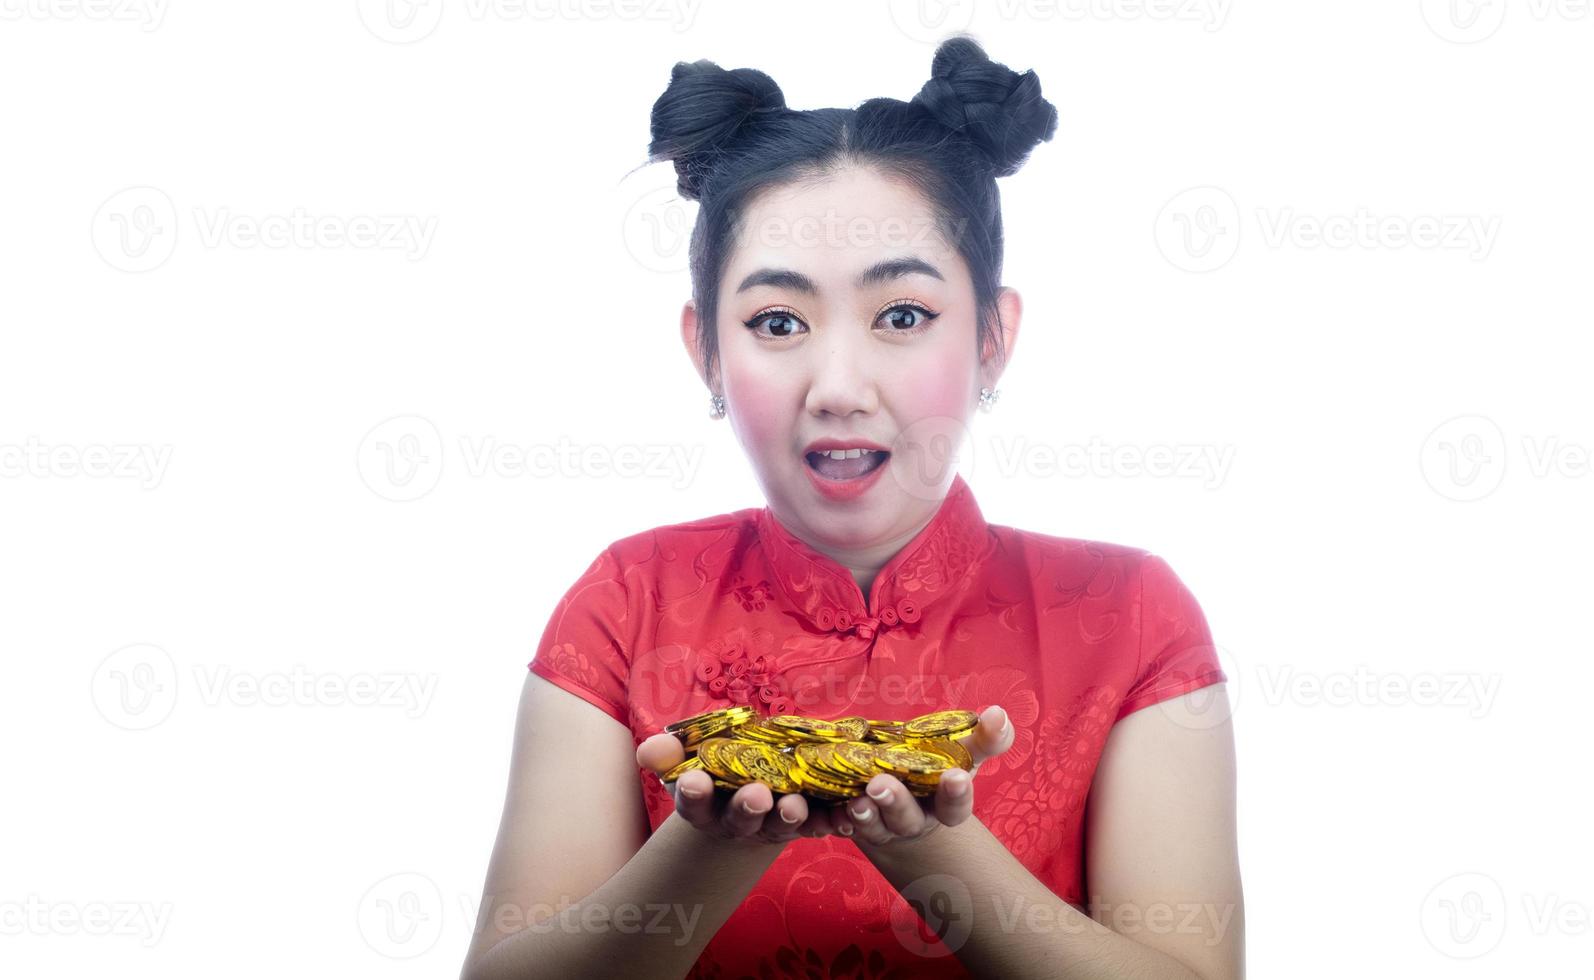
842 470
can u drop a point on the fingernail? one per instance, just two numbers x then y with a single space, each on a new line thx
844 831
692 793
786 819
749 808
883 797
957 786
1007 722
862 815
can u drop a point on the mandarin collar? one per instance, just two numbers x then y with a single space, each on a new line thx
936 561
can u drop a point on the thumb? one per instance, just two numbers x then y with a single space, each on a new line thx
660 752
992 736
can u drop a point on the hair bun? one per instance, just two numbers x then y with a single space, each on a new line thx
701 112
997 109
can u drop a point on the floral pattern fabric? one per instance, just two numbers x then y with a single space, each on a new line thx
1069 635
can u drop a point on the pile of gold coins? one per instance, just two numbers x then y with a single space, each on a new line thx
828 761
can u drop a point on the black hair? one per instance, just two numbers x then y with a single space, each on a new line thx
731 136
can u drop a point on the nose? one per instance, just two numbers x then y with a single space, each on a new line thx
843 375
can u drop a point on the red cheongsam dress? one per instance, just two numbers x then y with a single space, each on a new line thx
1068 635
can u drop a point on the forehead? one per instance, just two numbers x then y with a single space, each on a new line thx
833 227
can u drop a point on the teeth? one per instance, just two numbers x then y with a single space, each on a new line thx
846 453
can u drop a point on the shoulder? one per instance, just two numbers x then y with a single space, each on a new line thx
1097 567
1035 548
649 550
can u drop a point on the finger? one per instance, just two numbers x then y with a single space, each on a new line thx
820 823
954 798
992 736
660 752
867 827
899 809
783 823
744 814
694 798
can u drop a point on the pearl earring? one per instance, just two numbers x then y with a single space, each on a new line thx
988 398
716 406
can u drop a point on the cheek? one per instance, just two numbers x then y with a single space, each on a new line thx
760 425
762 413
943 387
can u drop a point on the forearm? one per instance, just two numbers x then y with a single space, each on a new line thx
1001 921
650 919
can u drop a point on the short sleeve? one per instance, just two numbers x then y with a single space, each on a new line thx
1176 653
584 647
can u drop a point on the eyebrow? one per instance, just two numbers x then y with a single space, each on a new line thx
878 273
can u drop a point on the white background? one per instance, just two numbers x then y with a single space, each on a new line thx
204 499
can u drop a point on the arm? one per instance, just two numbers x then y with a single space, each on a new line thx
578 833
1160 858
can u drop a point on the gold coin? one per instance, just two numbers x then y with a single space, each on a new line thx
941 724
951 749
855 728
737 715
768 766
812 728
909 760
828 761
675 771
713 755
858 756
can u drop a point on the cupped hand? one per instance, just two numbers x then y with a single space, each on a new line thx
752 814
888 814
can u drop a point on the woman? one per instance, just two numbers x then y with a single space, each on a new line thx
847 319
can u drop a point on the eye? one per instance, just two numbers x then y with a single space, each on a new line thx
782 323
906 316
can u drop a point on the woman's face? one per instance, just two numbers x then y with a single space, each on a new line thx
846 316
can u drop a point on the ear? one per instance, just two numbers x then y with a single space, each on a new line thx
1010 309
689 336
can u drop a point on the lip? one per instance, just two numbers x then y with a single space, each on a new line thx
844 489
819 445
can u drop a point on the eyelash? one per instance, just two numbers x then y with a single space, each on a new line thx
929 316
